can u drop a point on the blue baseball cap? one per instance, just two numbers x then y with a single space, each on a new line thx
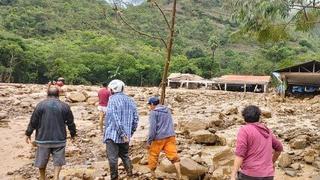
153 100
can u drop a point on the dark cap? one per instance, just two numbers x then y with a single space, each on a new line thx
153 100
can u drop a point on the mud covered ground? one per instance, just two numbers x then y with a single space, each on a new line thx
206 123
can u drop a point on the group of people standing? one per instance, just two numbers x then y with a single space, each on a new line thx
256 149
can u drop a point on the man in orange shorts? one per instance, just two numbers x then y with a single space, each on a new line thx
161 136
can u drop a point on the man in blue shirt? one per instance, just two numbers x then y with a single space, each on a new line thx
120 123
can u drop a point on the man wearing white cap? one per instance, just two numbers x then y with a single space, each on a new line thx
121 122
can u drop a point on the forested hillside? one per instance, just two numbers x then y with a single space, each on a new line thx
86 42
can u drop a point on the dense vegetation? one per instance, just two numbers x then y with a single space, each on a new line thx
86 42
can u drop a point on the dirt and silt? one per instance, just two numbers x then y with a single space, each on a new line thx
206 123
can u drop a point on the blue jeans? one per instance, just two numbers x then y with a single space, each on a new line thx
114 151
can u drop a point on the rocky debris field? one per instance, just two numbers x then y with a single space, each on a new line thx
206 123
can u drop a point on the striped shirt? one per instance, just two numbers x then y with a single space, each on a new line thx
121 118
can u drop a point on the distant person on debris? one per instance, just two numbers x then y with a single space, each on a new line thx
161 136
60 85
254 149
103 95
120 123
49 119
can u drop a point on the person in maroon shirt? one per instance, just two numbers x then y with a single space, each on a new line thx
103 95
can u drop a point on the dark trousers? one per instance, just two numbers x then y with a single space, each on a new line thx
114 151
242 176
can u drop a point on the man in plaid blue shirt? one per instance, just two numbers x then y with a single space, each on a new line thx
120 123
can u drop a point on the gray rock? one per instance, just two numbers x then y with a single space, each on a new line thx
204 137
290 172
295 166
285 160
223 157
192 169
3 115
298 143
192 125
316 164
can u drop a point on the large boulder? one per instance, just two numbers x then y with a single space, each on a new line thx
192 125
77 97
299 142
285 160
204 137
223 157
217 120
192 169
189 168
92 100
166 166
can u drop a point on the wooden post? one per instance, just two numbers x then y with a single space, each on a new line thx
265 88
169 51
225 86
245 87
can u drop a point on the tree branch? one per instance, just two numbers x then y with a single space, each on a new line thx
303 9
164 16
140 32
136 30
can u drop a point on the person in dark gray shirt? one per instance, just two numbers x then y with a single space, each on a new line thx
49 119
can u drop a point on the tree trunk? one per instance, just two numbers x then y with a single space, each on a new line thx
169 51
10 69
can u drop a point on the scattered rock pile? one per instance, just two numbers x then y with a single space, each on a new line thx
206 124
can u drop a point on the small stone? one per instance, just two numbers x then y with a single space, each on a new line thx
295 166
10 173
3 115
232 110
136 159
85 140
316 164
291 172
266 114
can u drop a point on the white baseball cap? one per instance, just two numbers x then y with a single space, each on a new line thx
116 85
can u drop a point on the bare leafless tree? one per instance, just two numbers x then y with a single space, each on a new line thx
168 44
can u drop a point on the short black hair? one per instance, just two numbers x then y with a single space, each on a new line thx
53 92
105 84
251 114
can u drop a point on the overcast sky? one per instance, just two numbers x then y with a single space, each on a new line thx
135 2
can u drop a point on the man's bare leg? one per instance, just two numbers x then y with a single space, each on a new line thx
177 166
57 170
101 115
42 173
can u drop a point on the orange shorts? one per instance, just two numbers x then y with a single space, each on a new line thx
168 145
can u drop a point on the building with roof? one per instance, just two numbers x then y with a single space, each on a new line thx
305 75
243 83
189 81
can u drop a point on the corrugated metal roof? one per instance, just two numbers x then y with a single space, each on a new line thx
243 79
188 77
